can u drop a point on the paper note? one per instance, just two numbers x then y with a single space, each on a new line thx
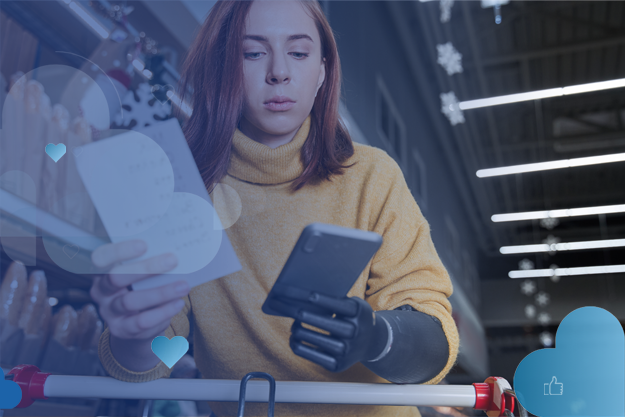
145 185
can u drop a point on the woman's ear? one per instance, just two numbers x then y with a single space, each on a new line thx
322 76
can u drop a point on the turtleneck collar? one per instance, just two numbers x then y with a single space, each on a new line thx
255 162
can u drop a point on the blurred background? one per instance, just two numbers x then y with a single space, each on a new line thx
507 118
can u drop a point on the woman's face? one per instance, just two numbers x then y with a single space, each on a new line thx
282 65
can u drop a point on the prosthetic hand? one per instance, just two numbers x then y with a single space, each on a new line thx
402 345
356 334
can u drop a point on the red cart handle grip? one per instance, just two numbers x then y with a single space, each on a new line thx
31 382
491 396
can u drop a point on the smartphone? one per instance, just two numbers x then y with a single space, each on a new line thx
327 259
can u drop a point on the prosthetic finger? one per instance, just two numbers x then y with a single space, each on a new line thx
326 343
344 306
313 355
337 327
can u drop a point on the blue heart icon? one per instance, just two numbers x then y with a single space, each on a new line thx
55 151
170 350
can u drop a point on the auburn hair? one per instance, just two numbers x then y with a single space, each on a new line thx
213 69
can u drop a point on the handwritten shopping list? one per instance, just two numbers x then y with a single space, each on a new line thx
145 185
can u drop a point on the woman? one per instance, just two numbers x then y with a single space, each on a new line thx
266 84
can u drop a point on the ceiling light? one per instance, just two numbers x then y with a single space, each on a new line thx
555 247
544 166
545 214
540 94
138 64
586 270
88 19
180 104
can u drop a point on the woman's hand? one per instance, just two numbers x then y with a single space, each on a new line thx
134 318
140 314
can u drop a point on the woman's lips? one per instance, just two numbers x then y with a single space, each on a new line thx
279 106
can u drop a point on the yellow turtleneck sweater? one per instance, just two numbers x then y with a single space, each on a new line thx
232 336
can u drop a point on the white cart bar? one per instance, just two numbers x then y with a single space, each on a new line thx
491 396
258 391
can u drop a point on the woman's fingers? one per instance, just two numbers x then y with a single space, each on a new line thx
135 301
146 322
112 253
122 276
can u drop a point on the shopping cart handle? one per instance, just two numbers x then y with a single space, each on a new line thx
493 397
31 382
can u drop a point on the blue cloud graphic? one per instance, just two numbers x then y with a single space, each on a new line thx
583 376
10 393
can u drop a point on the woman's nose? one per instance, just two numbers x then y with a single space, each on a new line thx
278 72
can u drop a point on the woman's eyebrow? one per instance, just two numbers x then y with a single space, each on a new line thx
299 36
290 38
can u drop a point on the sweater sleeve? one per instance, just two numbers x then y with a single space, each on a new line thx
406 270
179 327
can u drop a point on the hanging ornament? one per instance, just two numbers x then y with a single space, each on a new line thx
549 223
451 109
546 338
552 242
528 287
446 10
555 277
496 5
542 299
544 318
142 108
449 58
115 12
530 311
526 265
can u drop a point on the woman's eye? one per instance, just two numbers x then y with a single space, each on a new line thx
253 55
299 55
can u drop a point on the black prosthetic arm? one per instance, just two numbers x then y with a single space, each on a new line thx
416 349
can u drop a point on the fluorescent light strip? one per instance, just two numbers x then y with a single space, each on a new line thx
537 215
561 272
557 247
138 64
544 166
84 15
540 94
180 104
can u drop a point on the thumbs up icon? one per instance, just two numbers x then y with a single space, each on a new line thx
554 387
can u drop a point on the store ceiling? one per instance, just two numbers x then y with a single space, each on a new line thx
540 45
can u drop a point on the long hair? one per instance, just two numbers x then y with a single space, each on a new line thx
214 70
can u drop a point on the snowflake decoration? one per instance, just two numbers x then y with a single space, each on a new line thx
552 242
530 311
142 108
542 298
528 287
526 265
549 223
546 339
554 277
451 109
544 318
449 58
446 10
